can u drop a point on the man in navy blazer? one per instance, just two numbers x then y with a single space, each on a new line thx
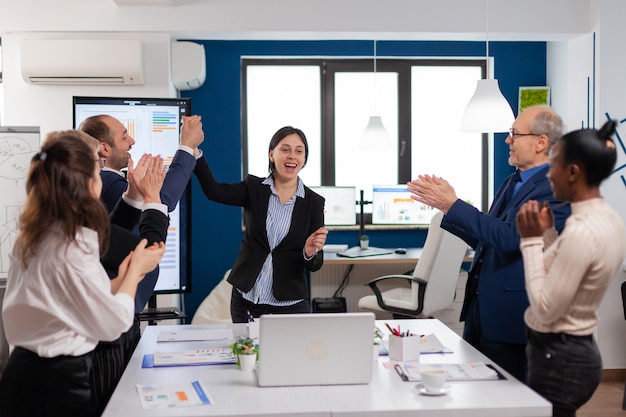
495 294
115 143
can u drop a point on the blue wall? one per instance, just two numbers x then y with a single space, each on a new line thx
216 229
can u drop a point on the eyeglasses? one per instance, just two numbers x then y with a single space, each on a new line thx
102 162
513 134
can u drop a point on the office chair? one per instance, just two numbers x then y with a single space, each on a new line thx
432 286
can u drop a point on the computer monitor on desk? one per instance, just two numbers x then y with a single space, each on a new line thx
392 204
339 205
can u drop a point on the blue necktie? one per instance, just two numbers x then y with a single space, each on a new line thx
514 179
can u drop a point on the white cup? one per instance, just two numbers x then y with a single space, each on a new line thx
434 379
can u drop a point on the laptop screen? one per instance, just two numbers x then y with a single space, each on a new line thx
315 349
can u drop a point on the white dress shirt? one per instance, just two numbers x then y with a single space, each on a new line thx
62 304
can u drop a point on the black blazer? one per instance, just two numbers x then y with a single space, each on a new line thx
152 225
288 257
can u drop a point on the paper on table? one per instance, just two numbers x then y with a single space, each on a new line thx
194 335
194 357
455 371
172 395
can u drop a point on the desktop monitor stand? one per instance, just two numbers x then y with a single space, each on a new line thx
362 203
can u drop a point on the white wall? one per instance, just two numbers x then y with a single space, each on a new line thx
570 73
50 107
611 95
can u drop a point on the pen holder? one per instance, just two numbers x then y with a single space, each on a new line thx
253 329
404 349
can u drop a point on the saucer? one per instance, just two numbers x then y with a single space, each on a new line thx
444 390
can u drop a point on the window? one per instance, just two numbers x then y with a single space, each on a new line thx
421 102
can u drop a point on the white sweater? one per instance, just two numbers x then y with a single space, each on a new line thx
566 283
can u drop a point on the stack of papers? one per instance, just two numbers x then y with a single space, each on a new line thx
194 357
455 371
195 335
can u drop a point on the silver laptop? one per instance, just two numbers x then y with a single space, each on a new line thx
315 349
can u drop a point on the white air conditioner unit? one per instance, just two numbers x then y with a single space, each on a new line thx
82 61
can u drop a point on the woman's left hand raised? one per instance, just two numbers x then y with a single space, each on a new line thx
315 242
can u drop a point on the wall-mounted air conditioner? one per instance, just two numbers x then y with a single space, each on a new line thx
82 61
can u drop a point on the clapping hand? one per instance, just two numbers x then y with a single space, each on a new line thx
191 133
533 218
146 179
433 191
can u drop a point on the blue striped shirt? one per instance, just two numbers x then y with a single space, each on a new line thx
277 226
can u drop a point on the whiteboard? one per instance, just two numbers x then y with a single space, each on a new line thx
17 147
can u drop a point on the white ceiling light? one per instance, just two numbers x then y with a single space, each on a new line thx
487 111
375 136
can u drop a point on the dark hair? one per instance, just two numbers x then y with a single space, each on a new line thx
59 193
280 135
96 126
593 150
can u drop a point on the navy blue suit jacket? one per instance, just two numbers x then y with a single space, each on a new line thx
308 215
152 226
498 261
176 180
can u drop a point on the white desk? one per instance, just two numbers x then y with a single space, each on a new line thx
411 256
235 393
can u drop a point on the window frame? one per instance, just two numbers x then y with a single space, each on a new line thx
329 66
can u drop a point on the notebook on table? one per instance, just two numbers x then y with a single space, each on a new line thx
315 349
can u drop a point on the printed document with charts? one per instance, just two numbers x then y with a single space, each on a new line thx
456 371
173 395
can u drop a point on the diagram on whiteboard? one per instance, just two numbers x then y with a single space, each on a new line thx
17 147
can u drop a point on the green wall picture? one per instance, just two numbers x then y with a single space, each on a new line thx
533 96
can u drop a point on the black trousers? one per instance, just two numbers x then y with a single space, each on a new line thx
32 386
239 308
109 363
564 369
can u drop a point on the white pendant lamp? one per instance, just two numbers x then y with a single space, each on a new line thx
487 111
375 136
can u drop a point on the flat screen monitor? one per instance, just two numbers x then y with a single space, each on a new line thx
392 204
154 123
340 205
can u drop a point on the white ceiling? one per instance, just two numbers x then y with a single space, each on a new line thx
307 19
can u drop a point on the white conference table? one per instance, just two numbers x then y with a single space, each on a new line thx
235 393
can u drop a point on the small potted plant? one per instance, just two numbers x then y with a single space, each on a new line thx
364 242
247 353
378 338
